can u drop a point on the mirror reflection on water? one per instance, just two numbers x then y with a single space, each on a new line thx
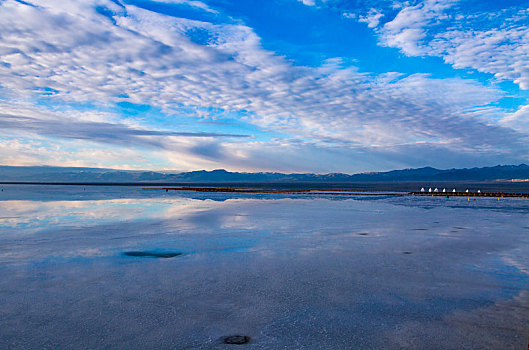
118 267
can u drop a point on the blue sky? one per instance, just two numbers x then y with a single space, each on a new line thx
278 85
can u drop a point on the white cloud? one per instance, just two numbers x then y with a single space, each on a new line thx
518 120
195 4
67 52
496 43
372 18
502 52
407 30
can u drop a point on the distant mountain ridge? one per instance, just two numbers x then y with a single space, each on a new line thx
51 174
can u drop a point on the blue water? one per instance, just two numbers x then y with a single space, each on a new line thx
290 272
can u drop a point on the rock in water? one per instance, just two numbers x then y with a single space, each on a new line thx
163 255
236 339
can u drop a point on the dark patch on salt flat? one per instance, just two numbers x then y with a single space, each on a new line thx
236 339
363 234
406 252
420 229
151 254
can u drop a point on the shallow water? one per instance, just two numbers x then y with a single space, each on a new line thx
118 267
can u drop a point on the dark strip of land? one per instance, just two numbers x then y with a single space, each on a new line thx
274 190
395 186
339 192
471 194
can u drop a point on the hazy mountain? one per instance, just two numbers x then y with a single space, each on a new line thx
51 174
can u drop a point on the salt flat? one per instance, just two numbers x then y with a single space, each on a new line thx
116 267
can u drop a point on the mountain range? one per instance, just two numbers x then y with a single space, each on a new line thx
52 174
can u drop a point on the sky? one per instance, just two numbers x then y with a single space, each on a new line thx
277 85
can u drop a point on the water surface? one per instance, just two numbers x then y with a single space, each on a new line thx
118 267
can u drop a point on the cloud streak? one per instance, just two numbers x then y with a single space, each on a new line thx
97 131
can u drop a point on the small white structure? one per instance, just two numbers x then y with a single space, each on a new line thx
430 189
444 190
436 190
422 189
466 190
454 190
479 191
